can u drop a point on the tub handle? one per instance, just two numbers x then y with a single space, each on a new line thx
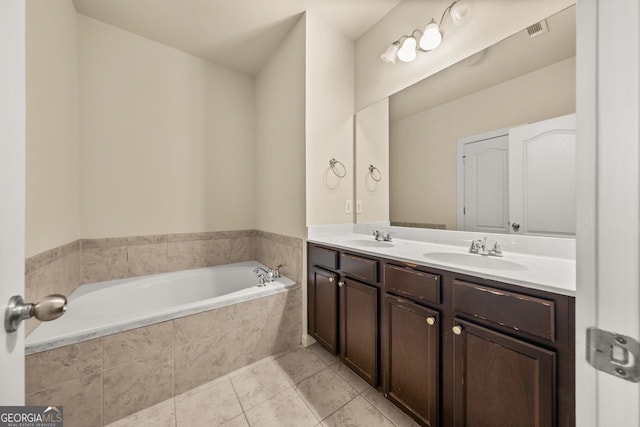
48 308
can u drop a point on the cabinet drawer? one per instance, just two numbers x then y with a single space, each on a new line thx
416 285
361 268
324 257
519 312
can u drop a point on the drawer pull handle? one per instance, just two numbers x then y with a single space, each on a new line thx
330 279
431 320
457 329
340 283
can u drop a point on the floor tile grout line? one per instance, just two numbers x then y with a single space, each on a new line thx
307 405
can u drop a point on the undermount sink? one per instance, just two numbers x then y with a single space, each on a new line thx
472 260
369 243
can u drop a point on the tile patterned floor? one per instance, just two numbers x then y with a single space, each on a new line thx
303 387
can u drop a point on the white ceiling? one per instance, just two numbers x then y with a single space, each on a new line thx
239 34
512 57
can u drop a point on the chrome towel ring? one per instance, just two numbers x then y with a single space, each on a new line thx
335 167
375 173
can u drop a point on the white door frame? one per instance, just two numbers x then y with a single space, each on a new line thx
12 192
608 195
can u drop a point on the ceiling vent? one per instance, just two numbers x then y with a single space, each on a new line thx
538 29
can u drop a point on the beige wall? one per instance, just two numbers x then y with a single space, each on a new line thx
280 138
52 204
329 121
167 138
490 23
372 148
423 146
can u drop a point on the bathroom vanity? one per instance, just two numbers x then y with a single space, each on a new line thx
441 336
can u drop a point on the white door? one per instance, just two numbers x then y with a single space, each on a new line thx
608 189
542 171
12 184
485 189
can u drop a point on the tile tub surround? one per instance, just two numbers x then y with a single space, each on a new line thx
103 380
63 269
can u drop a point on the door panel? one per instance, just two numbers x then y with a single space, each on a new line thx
359 329
486 197
323 308
502 381
12 193
542 171
411 364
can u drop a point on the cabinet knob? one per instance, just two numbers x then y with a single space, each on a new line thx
330 279
340 283
431 320
457 329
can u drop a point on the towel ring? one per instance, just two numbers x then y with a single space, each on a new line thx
335 166
375 173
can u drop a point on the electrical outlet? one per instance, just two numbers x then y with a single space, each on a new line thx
358 206
348 208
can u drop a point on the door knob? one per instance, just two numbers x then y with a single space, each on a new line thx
330 279
340 283
48 308
431 320
457 329
515 226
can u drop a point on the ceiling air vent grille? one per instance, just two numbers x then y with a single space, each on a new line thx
538 28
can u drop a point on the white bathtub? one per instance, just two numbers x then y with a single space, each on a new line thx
99 309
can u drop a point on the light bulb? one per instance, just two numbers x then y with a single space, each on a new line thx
431 38
407 52
461 12
389 56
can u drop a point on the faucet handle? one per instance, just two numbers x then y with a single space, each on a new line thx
276 271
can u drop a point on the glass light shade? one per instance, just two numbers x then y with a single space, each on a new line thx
407 52
389 56
461 12
431 38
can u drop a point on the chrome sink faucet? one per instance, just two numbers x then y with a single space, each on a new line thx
479 246
267 276
381 237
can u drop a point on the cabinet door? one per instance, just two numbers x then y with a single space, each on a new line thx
411 362
501 381
359 329
323 308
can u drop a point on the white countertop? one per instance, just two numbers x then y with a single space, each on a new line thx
546 273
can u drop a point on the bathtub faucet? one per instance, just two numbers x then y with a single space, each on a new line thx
266 276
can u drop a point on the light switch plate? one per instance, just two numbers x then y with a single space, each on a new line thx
358 206
348 207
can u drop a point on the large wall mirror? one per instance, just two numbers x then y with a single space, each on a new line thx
435 126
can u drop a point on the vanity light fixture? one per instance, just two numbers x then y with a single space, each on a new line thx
407 46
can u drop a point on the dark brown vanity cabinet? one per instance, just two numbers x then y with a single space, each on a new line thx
454 350
411 367
343 308
500 380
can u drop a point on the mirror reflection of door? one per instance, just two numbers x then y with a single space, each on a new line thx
542 177
519 181
485 191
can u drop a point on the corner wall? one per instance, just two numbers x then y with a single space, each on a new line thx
167 138
329 121
52 192
280 138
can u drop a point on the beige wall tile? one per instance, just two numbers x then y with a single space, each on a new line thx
104 263
147 259
71 266
38 261
285 301
109 242
184 237
136 344
44 281
224 319
271 253
216 252
184 255
146 240
243 249
81 400
285 331
62 365
134 386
